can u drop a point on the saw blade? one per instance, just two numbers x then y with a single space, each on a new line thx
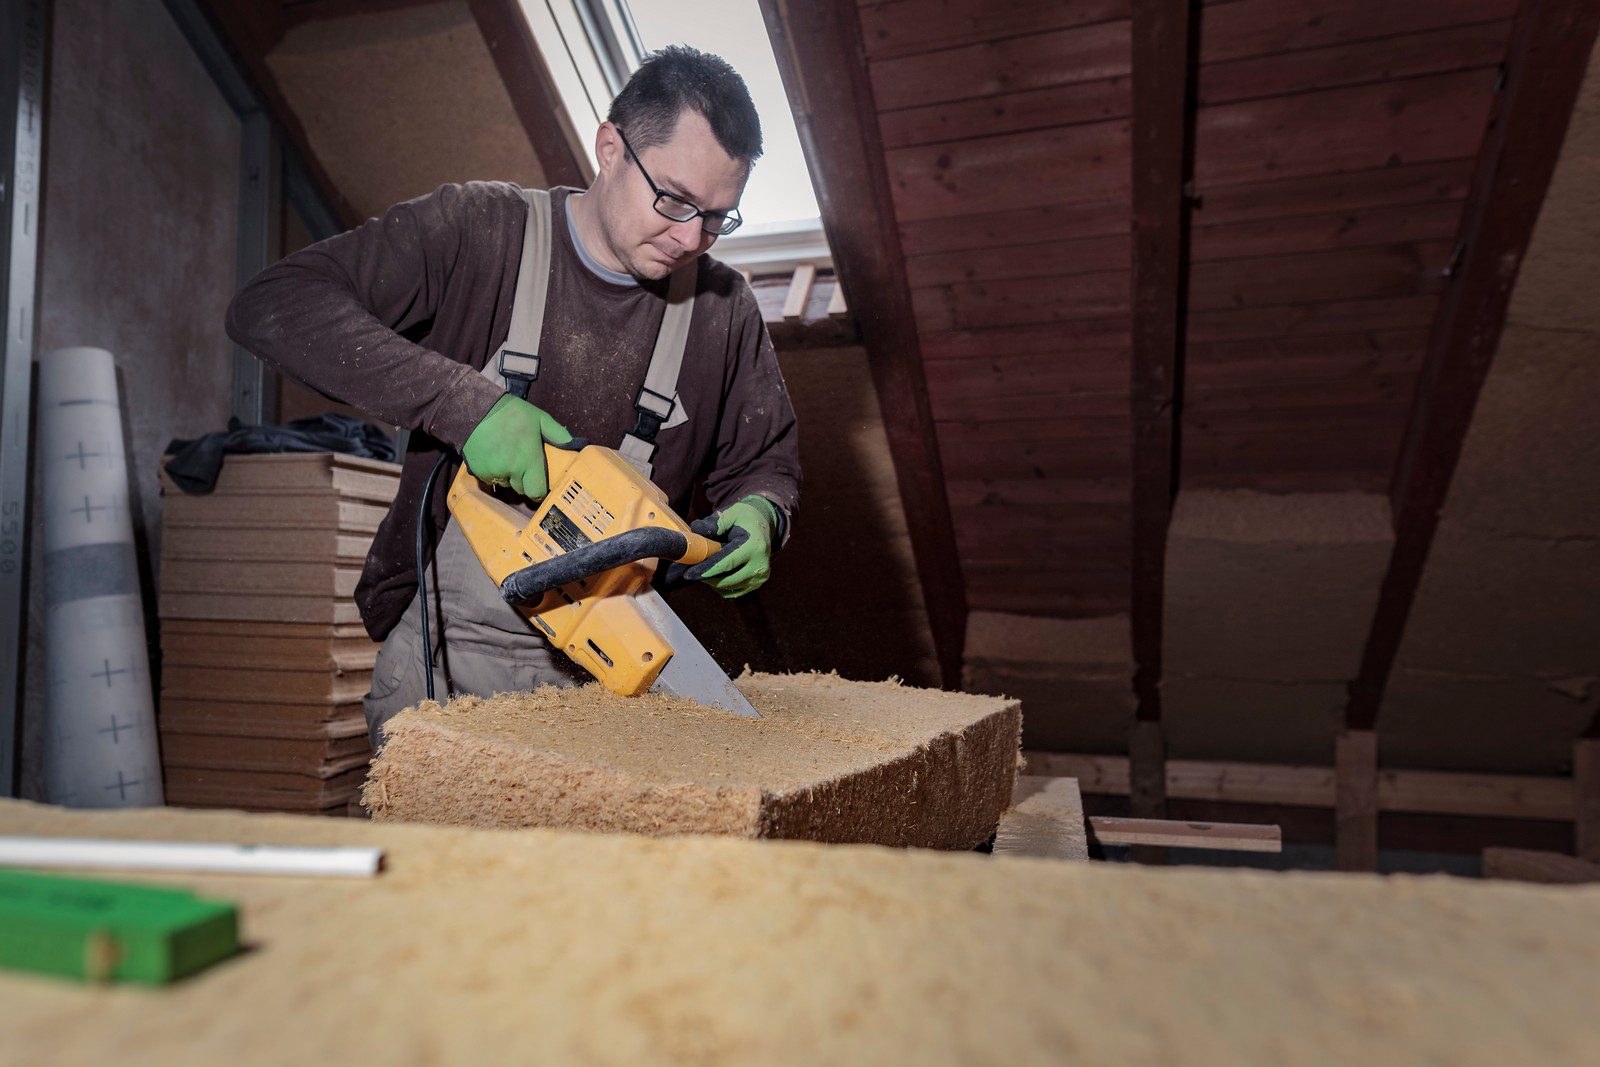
691 672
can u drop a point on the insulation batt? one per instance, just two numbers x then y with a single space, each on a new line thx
542 947
829 760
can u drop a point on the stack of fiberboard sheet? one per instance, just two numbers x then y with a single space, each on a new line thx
264 659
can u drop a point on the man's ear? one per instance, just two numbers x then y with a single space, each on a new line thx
608 148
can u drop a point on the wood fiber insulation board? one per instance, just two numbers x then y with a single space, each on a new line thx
256 719
829 760
1269 598
1073 676
299 472
546 947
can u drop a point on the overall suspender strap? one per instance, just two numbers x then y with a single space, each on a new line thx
653 406
517 365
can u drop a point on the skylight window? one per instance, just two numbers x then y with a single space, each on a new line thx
592 46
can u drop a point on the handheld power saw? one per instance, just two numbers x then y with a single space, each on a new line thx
580 570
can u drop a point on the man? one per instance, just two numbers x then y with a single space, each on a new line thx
406 315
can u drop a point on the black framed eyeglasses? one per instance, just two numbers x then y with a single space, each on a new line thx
678 209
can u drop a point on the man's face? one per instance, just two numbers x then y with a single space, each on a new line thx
691 166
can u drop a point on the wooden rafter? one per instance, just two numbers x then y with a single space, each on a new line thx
820 55
506 31
250 31
1161 135
1548 52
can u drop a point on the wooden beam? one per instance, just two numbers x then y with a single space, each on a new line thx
1548 52
837 309
1162 124
1355 800
1147 780
533 93
1586 797
799 295
1225 836
249 31
818 46
1531 865
1507 796
1045 820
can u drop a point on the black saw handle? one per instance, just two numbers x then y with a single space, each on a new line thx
532 582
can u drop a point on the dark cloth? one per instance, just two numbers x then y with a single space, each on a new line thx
195 464
397 317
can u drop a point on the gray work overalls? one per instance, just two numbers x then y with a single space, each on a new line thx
482 645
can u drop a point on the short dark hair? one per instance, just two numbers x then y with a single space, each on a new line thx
679 78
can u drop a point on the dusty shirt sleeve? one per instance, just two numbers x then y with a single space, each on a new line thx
329 316
758 444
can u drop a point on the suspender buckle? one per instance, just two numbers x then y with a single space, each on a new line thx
520 370
651 409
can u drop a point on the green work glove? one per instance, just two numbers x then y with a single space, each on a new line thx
507 447
745 561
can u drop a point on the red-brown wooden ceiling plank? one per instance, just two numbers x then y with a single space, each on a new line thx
1110 332
913 26
1390 59
968 456
1267 27
1319 277
297 11
1334 130
509 36
1297 458
1021 300
1017 64
1083 255
1011 171
1107 95
250 31
1038 109
1099 371
1360 228
1303 359
1051 222
819 51
1096 491
1307 320
1328 132
1549 51
1349 191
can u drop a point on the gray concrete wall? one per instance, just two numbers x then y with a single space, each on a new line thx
137 248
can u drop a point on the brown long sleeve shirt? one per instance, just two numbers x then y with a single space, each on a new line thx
398 316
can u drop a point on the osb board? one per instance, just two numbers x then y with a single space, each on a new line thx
396 103
828 760
537 946
1273 587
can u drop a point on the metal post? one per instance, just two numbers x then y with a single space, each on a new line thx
255 389
22 70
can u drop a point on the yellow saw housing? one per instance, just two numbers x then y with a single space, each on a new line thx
595 494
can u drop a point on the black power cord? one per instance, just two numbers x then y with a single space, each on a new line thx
422 569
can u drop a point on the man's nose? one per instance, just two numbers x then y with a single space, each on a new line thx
687 234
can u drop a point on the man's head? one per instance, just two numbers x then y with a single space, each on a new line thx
689 117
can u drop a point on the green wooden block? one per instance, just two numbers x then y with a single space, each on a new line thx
110 931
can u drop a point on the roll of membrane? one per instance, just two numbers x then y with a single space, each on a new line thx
99 733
